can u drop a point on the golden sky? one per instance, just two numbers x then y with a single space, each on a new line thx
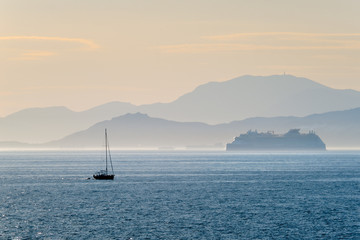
83 53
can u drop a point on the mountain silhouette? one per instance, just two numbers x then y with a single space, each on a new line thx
253 96
212 103
38 125
139 130
337 129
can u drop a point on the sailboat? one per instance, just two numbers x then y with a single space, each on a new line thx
106 174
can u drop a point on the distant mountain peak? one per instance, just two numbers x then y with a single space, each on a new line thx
275 79
40 110
252 96
112 104
253 82
137 115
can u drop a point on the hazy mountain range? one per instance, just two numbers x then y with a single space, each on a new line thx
337 129
38 125
254 96
220 102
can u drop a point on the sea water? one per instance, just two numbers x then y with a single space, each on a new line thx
180 195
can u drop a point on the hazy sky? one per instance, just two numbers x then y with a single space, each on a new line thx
83 53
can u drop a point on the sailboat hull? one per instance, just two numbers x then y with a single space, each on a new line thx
104 177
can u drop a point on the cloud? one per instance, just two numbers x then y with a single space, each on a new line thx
198 48
260 41
87 45
34 55
90 45
280 34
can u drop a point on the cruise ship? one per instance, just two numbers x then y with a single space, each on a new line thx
293 140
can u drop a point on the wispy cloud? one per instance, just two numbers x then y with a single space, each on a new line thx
280 34
86 45
90 45
198 48
34 55
269 41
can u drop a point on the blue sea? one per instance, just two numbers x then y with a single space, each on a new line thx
180 195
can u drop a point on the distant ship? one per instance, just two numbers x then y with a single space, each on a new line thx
292 140
106 174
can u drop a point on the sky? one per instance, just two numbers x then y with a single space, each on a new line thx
83 53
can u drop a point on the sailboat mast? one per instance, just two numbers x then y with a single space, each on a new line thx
112 169
106 151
